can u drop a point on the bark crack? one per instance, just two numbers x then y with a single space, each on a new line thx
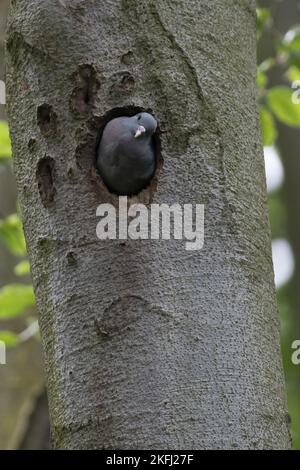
17 44
183 56
209 113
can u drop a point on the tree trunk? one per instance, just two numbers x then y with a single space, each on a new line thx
147 345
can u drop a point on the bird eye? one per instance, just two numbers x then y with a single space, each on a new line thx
139 117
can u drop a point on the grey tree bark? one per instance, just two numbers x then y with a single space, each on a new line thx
22 379
148 345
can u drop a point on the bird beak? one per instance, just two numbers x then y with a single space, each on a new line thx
141 130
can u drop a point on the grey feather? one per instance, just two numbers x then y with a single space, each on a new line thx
126 155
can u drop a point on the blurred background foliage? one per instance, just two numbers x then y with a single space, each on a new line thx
278 78
24 421
23 405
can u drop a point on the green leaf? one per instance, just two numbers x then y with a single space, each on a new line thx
262 79
278 216
262 70
291 40
290 47
264 19
280 101
11 233
22 268
9 338
268 127
267 64
294 59
293 73
5 145
14 299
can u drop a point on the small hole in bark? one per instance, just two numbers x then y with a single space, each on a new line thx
86 88
127 58
123 84
32 145
71 258
71 174
45 180
288 419
46 119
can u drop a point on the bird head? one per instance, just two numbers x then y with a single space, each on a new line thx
144 125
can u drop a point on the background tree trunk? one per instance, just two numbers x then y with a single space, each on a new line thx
148 345
289 144
285 15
